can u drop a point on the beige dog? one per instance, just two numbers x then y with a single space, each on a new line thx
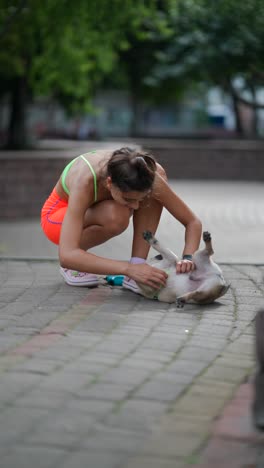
202 285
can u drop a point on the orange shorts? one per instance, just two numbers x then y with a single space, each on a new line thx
52 215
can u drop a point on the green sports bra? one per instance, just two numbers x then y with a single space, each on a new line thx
67 168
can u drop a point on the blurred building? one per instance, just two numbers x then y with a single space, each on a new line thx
203 116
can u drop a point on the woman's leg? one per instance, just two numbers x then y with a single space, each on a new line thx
103 221
146 218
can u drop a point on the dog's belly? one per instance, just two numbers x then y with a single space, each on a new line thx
177 284
181 283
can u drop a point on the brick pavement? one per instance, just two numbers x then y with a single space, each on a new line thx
102 378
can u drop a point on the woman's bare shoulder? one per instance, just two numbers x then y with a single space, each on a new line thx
161 172
161 179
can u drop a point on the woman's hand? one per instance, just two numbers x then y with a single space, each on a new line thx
185 266
146 274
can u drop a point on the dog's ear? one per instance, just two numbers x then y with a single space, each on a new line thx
224 290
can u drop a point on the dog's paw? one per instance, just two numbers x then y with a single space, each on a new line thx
147 235
179 303
206 236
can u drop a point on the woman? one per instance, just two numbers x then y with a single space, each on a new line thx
92 202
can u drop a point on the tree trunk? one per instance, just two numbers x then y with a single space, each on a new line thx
135 120
255 119
17 133
238 119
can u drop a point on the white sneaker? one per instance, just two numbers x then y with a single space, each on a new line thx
78 278
130 284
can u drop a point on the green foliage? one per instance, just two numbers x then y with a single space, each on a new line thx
136 61
65 48
212 41
157 49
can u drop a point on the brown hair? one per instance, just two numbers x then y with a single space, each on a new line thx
131 170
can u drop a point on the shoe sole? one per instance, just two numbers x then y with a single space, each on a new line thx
90 284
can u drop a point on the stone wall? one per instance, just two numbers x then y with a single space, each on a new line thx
27 178
218 160
25 184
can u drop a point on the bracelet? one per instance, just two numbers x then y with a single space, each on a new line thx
187 257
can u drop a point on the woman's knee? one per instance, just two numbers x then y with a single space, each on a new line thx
117 219
113 217
110 215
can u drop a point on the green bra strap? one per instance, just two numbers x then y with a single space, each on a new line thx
64 174
94 176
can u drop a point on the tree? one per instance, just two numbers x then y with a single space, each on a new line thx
221 43
136 62
60 48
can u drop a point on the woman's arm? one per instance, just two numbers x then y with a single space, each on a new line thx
180 211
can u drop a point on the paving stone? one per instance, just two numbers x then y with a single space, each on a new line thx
118 347
10 361
185 426
227 374
131 421
210 343
36 366
232 360
168 445
211 388
58 353
25 457
148 364
98 408
105 391
158 344
15 309
17 422
151 462
101 358
197 353
62 380
15 383
89 459
157 355
161 390
234 454
185 367
42 398
152 408
199 404
112 440
62 428
9 342
124 374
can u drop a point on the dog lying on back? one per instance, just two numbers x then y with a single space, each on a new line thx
202 285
